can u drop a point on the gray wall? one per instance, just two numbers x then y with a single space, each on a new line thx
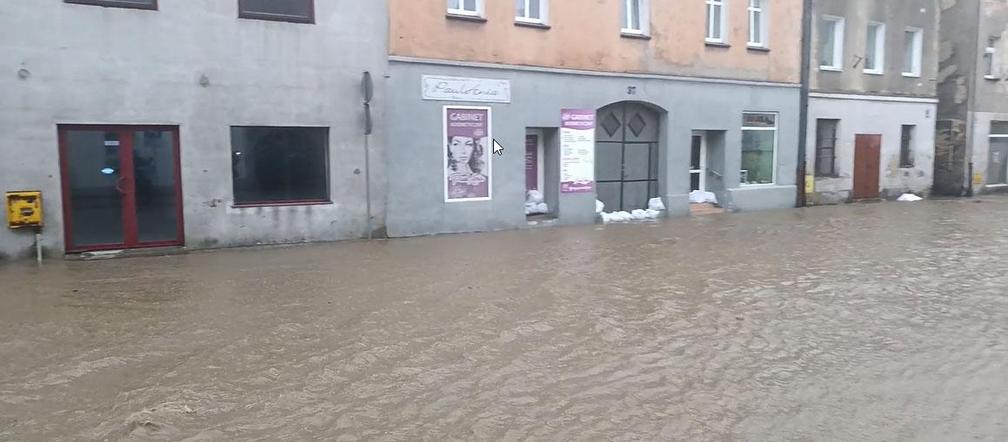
897 16
90 64
416 200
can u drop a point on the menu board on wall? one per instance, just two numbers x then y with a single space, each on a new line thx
577 150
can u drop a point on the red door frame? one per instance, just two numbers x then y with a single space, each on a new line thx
130 227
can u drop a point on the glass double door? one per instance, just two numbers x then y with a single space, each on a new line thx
121 187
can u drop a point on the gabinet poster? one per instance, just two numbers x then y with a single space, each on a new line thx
577 150
467 139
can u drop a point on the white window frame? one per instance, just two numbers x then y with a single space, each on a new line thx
479 12
916 44
763 22
543 13
879 48
776 143
643 20
991 68
839 25
722 30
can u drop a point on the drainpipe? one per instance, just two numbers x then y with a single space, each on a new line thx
806 71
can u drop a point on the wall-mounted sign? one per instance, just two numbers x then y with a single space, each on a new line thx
577 150
481 90
467 141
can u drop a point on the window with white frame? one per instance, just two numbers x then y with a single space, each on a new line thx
466 7
831 43
759 148
716 25
635 16
757 23
531 11
913 50
874 60
990 62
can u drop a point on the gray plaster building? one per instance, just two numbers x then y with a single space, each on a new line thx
172 123
872 101
972 148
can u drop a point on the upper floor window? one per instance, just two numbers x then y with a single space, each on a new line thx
913 50
531 11
716 23
635 16
874 60
831 47
138 4
990 62
757 23
466 7
296 11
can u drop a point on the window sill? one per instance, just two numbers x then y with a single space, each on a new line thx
757 48
277 18
716 44
757 186
874 72
998 185
466 17
826 177
830 69
531 24
634 34
991 77
911 75
282 204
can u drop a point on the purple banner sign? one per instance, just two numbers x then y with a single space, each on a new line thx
577 150
467 153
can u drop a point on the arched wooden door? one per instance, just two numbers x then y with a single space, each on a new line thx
626 156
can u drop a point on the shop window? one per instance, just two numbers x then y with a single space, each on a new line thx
906 146
470 8
874 61
296 11
831 43
531 11
913 50
635 17
280 165
759 148
990 60
757 23
136 4
826 138
716 21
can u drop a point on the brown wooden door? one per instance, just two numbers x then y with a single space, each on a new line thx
867 152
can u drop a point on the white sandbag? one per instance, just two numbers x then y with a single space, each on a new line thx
624 216
599 206
909 198
652 214
700 197
655 204
534 196
638 214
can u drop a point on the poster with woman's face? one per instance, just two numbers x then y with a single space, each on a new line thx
467 153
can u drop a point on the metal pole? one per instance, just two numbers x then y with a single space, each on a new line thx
803 101
38 246
367 182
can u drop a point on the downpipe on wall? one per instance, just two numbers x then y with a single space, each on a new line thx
806 70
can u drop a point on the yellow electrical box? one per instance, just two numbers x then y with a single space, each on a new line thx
24 209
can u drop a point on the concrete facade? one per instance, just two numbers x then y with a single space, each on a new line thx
973 92
579 58
873 102
194 65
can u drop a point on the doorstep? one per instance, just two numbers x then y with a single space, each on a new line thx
125 253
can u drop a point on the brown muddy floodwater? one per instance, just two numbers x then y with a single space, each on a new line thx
877 322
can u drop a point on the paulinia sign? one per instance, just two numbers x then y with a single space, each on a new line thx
481 90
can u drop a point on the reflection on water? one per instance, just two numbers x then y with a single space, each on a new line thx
864 322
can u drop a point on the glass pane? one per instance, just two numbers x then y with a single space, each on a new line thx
154 175
716 22
694 181
453 4
997 166
96 208
283 8
871 47
279 164
757 156
519 8
534 9
908 52
999 128
824 162
827 33
695 153
634 15
757 31
470 5
636 161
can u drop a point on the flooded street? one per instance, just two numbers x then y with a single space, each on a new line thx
863 322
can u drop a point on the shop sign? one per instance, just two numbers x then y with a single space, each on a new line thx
481 90
577 150
467 141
